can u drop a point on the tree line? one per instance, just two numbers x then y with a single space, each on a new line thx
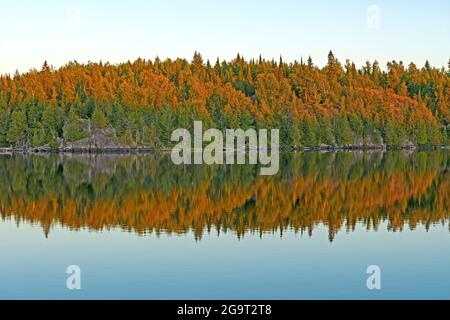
140 103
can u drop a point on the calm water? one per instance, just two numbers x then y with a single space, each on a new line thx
140 227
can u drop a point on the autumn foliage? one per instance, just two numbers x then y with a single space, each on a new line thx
143 101
146 194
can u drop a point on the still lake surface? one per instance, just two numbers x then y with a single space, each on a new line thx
140 227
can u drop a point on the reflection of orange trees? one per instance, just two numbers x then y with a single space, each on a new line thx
340 191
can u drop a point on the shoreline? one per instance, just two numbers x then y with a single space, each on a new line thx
146 150
78 151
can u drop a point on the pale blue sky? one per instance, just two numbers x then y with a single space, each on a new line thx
116 31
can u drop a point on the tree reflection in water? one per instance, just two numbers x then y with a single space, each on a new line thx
148 194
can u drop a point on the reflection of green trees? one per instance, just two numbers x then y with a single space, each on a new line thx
149 193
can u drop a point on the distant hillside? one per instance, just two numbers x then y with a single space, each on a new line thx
140 103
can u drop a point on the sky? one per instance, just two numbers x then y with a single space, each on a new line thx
117 31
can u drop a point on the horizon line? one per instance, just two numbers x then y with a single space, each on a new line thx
383 67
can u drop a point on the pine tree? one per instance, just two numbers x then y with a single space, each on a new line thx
402 89
166 125
197 61
39 137
53 121
45 67
308 103
342 132
247 120
310 63
325 132
332 66
4 125
309 133
74 128
35 112
18 130
98 119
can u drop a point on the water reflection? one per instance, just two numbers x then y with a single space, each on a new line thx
148 194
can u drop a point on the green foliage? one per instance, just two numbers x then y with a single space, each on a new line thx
342 131
394 135
127 138
370 134
166 125
309 133
39 137
119 119
247 120
99 119
326 131
141 103
34 116
74 129
54 144
356 125
296 133
4 125
150 136
18 131
445 133
53 121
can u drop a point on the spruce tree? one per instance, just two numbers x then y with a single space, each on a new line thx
18 130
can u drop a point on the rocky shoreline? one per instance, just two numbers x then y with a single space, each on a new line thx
87 150
147 150
368 148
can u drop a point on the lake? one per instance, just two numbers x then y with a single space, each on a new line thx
140 227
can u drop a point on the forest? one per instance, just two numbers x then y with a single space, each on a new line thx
140 103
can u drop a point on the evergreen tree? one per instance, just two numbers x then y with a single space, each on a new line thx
39 137
310 105
53 121
247 120
18 130
34 116
309 133
166 125
74 128
325 132
98 119
342 132
4 125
